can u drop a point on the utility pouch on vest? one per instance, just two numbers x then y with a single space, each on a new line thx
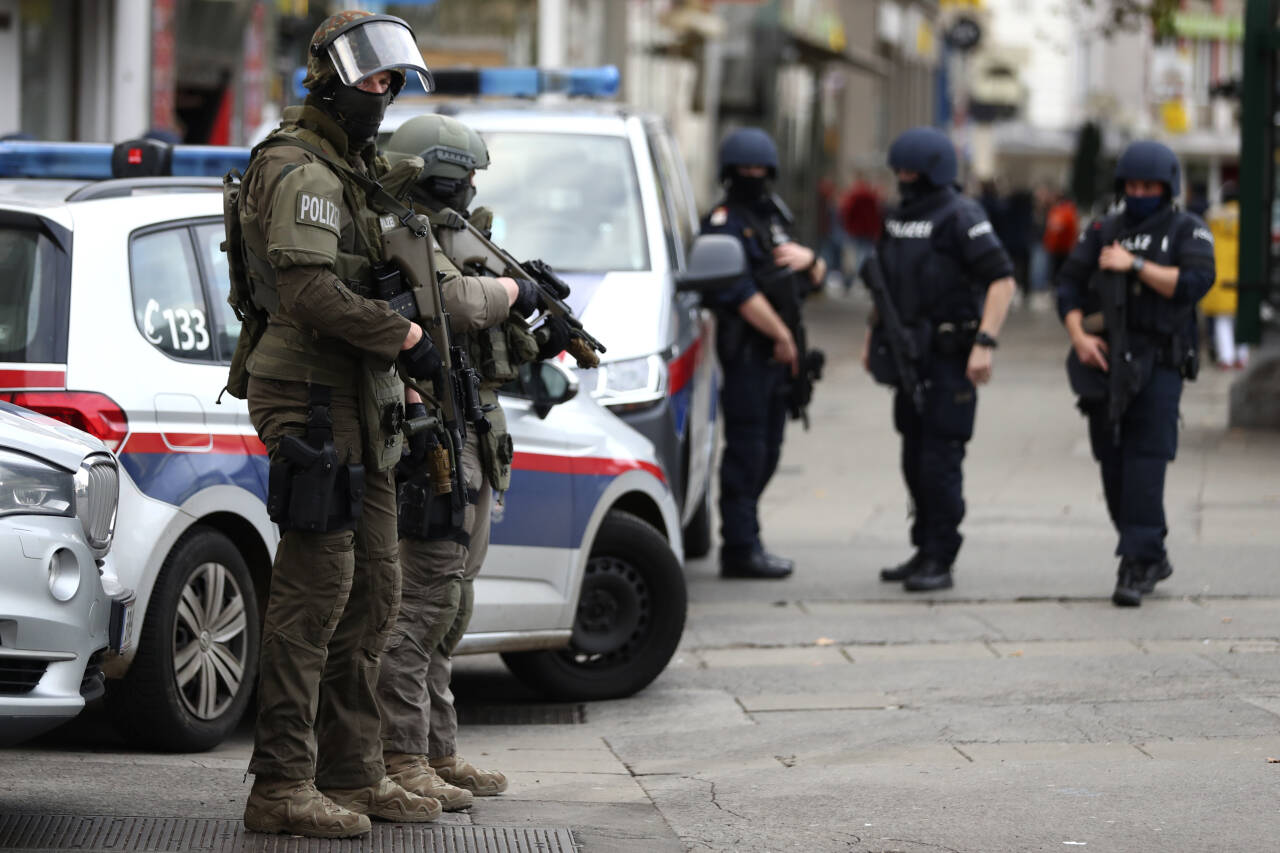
881 362
381 395
240 295
496 452
309 489
492 358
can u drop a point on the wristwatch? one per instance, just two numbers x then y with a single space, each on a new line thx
982 339
1138 263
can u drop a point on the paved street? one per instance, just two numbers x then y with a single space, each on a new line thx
1020 711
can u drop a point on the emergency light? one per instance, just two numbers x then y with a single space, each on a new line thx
599 82
99 161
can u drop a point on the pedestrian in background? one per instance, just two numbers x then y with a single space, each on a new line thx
1165 258
1219 304
756 346
833 239
950 282
861 211
1061 229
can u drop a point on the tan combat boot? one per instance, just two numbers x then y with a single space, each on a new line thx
385 800
414 774
457 771
295 806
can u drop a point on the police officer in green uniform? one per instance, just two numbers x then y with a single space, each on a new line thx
317 363
419 724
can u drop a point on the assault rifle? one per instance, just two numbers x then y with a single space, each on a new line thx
901 343
1125 373
469 248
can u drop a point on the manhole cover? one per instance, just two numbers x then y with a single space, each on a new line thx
521 715
37 833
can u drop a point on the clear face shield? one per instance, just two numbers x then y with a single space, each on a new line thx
380 43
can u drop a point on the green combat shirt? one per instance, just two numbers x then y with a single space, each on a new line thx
320 237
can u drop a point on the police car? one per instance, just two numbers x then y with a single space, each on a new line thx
600 193
114 319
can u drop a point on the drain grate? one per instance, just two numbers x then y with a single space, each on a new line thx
521 715
38 833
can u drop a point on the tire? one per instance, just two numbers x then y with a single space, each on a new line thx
181 693
630 618
697 536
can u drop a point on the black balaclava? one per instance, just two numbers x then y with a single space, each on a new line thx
744 189
910 191
453 193
358 113
1141 208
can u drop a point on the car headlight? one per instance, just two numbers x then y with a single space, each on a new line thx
31 487
630 384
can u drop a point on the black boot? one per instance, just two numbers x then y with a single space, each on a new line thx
780 563
752 564
1153 573
902 571
930 575
1129 583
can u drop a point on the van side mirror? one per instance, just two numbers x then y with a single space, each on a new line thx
547 384
715 261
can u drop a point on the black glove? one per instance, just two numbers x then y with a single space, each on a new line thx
553 337
527 302
550 280
416 447
421 361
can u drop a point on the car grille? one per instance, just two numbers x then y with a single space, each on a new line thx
20 676
99 517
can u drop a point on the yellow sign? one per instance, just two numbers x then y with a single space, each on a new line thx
961 4
1173 114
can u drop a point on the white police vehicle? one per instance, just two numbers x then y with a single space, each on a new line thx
600 193
114 319
61 606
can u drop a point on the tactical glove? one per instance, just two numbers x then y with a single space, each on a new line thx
553 338
527 302
421 361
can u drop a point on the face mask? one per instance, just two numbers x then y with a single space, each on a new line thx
359 112
1139 208
743 188
454 193
910 191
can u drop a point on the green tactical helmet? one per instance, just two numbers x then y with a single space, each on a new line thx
449 148
351 45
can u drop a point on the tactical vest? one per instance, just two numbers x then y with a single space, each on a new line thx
1152 240
784 288
285 351
925 284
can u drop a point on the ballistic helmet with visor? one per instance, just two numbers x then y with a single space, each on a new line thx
1148 160
927 152
354 45
748 146
448 147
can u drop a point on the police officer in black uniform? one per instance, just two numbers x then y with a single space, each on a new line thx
757 349
1165 256
951 282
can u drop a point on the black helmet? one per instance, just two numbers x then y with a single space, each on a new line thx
927 152
748 146
1148 160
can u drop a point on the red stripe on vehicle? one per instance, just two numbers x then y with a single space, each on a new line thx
682 369
33 379
582 465
196 442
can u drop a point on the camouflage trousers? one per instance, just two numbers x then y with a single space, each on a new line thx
331 608
437 597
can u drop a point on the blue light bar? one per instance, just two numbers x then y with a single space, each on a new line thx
91 161
208 161
599 82
78 160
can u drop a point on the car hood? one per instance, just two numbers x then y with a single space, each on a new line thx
44 438
630 312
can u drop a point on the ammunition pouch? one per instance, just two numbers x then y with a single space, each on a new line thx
423 514
496 450
308 487
880 362
381 413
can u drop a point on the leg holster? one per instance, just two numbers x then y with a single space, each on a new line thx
308 487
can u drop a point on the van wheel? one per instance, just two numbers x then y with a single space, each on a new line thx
630 618
197 657
697 536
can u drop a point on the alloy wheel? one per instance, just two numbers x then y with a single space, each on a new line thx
210 651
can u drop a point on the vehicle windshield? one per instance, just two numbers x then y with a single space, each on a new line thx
32 317
571 200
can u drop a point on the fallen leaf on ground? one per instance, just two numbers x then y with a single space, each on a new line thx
825 641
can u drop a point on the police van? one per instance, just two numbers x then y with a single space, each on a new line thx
114 319
600 193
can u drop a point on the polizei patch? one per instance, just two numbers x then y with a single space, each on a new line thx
317 210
